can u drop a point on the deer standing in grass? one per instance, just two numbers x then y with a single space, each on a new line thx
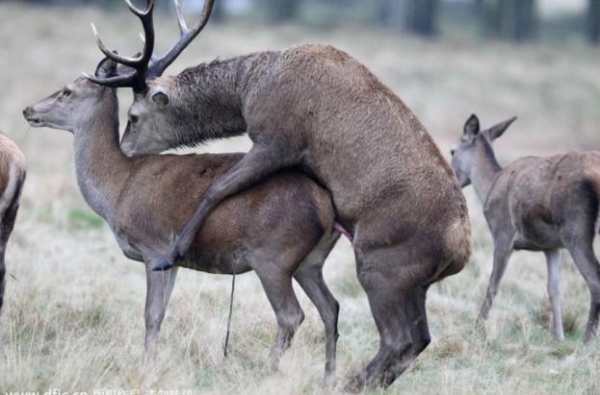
12 178
281 228
315 107
536 204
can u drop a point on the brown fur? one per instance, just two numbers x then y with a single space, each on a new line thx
537 204
316 107
12 178
281 228
391 187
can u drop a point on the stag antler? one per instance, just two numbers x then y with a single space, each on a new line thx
145 65
136 78
185 37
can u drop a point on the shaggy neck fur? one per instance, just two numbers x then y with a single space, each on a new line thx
215 110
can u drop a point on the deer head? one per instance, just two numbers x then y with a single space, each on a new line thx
152 94
70 106
463 154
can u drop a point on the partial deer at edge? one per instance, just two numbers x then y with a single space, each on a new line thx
316 107
536 204
12 179
281 228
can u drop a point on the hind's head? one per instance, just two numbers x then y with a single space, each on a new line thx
72 105
463 154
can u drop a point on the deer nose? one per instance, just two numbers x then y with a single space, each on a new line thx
27 112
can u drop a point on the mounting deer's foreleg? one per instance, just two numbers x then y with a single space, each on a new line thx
255 166
158 292
554 261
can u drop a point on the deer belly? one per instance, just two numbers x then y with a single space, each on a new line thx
536 235
215 262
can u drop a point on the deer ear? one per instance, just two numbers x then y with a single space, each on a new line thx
160 97
471 128
497 130
106 68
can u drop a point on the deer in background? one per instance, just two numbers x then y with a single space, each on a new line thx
13 169
315 107
281 228
535 204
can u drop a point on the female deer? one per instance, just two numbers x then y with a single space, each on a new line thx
12 178
282 228
536 204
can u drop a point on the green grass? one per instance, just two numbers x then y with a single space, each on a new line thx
82 218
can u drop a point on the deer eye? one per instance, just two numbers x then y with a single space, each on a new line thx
134 119
452 152
66 92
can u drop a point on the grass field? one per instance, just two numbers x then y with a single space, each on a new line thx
73 315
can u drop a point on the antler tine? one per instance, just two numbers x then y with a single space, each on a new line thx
132 62
186 36
137 11
145 17
114 82
180 19
138 62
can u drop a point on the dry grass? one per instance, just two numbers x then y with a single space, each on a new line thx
73 311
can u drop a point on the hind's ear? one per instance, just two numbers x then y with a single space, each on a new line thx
106 68
471 128
497 130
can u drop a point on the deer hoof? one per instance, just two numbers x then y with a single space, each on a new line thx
354 387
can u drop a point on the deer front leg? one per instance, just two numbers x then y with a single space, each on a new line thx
502 251
159 289
255 166
554 260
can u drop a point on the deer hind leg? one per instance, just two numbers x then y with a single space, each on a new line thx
289 314
6 226
554 261
389 277
582 251
255 166
502 252
310 278
2 277
158 292
417 316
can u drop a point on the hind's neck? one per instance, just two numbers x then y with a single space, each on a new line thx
101 167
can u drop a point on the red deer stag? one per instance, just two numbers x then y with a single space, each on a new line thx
12 178
316 107
281 228
536 204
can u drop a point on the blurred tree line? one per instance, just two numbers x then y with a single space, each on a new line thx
516 20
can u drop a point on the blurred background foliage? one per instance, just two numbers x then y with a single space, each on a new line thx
513 20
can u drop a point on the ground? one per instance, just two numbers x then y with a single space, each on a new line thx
73 315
